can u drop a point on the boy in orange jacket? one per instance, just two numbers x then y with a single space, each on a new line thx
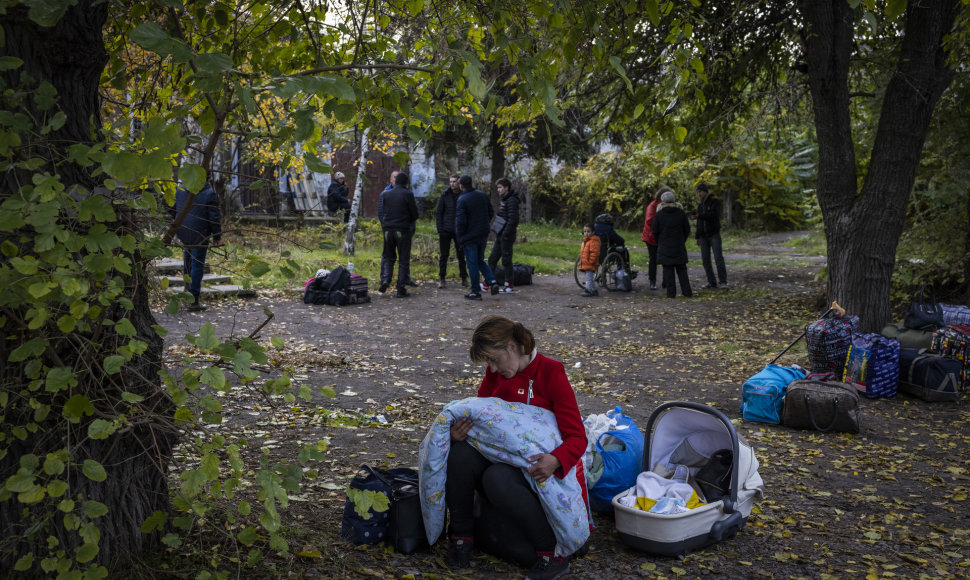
589 259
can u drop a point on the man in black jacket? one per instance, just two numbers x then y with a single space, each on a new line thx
708 233
337 196
444 216
508 210
472 216
399 212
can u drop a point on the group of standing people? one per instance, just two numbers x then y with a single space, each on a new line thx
464 217
666 229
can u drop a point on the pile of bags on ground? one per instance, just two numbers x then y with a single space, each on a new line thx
337 287
926 356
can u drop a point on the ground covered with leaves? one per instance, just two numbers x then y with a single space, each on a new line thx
888 502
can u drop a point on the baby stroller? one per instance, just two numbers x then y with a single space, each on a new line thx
689 429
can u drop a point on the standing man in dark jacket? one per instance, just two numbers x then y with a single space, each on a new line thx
202 226
444 216
397 220
709 236
473 215
508 210
337 196
671 228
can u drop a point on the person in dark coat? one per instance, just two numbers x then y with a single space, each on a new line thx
337 196
609 239
201 227
508 210
397 220
671 228
708 234
473 216
444 217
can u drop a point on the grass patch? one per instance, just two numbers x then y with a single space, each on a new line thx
812 243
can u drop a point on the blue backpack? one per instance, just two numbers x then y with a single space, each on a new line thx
763 395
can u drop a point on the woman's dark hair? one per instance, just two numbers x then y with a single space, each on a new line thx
495 332
504 182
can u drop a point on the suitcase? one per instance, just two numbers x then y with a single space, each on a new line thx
928 376
954 342
955 314
357 292
822 405
828 342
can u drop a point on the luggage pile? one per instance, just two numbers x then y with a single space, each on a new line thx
338 287
926 356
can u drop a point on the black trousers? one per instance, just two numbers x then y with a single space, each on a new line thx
502 248
503 486
652 268
445 241
684 280
397 247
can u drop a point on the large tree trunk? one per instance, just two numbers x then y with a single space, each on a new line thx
71 57
863 227
497 149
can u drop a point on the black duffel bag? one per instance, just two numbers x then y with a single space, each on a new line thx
925 312
521 274
928 376
401 525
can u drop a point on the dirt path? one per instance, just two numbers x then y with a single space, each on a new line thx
890 501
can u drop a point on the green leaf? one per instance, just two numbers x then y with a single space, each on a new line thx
680 133
337 87
53 465
152 37
93 470
156 521
247 536
101 429
77 406
94 509
314 164
10 62
473 74
258 268
30 349
124 327
270 520
112 364
213 376
277 342
172 540
86 552
131 397
26 562
653 11
894 8
207 337
213 62
303 119
192 176
48 12
20 481
58 379
416 134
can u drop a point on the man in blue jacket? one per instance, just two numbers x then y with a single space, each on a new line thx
398 214
202 226
473 215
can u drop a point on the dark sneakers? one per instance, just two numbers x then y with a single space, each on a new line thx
473 296
459 554
196 307
402 293
493 287
384 286
548 568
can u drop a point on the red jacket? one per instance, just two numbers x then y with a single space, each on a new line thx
589 254
647 235
550 390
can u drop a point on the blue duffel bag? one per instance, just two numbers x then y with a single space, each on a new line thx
763 395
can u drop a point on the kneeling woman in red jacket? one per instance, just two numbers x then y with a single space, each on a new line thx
519 374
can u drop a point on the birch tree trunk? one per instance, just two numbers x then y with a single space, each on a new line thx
349 243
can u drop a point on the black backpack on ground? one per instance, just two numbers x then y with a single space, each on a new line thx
521 274
331 289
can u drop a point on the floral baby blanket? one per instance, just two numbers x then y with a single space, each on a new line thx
508 433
